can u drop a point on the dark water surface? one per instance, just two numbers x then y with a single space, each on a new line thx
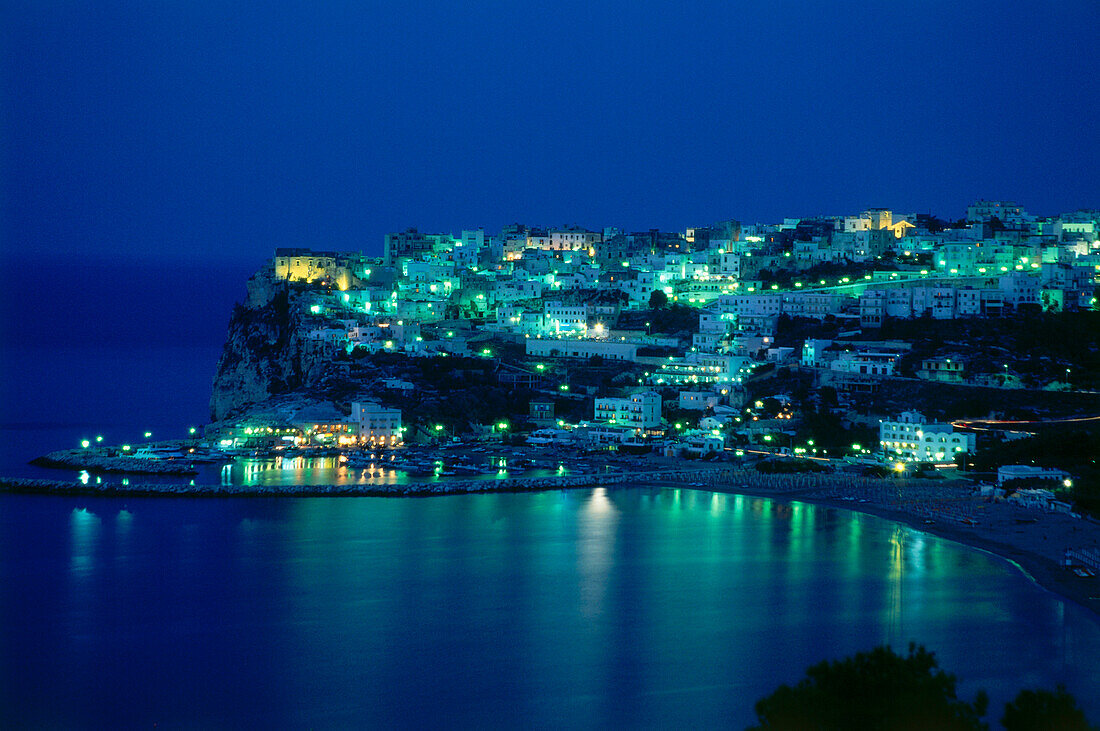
569 609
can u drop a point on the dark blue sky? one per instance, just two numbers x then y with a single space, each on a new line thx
166 130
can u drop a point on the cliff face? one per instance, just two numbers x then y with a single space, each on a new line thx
265 351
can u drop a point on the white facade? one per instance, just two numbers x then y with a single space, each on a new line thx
376 425
640 411
910 438
559 318
574 348
865 362
698 400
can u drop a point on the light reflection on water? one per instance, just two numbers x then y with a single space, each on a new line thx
84 539
332 471
644 607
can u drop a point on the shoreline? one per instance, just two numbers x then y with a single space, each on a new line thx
1020 536
1044 571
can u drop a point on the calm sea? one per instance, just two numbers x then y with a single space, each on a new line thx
588 608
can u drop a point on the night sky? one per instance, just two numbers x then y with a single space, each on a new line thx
170 130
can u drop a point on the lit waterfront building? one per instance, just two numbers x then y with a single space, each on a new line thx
910 438
376 425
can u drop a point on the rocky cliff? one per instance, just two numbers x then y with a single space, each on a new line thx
266 351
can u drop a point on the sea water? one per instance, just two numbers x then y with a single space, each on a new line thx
594 607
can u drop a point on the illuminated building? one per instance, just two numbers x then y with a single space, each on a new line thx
640 411
910 438
310 266
376 426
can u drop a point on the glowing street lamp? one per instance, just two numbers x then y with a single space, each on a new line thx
85 443
148 434
99 439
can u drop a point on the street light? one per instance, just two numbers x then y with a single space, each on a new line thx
85 443
148 434
99 439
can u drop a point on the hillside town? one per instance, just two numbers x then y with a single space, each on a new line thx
897 341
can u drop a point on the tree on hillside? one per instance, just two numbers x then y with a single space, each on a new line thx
883 690
873 690
1043 710
657 300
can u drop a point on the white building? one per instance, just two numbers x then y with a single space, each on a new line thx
376 425
909 438
865 362
701 368
698 400
564 318
1009 472
640 411
1005 211
571 348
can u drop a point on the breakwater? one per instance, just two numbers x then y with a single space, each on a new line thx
818 484
77 459
413 489
821 484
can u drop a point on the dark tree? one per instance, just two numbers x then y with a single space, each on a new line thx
873 690
657 300
1042 710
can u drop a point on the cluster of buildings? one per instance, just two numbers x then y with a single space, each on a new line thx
370 425
569 293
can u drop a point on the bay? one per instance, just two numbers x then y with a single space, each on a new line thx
586 608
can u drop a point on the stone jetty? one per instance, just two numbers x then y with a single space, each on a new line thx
99 463
412 489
